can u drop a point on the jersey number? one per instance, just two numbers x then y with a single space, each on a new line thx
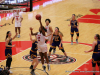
56 39
38 38
17 18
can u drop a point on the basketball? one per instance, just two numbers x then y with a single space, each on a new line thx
38 17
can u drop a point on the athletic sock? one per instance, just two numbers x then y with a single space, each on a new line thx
76 39
71 40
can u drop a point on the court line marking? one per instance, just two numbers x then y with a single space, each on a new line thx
80 66
25 70
76 53
30 47
90 18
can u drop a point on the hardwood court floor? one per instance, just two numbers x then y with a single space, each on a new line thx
58 13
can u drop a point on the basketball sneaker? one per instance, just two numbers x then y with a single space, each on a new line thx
71 43
10 71
33 73
54 51
44 68
19 36
67 59
77 41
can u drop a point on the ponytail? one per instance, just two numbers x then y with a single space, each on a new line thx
7 34
98 36
59 31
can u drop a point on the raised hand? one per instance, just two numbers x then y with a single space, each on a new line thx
31 28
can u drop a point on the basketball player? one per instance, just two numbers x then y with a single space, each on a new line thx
74 27
96 53
42 47
8 50
56 40
49 31
33 54
18 19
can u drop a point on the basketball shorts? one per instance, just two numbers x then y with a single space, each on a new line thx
33 54
17 24
54 44
96 58
8 53
74 29
42 48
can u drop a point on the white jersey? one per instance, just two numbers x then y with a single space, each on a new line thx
17 17
40 39
42 46
48 32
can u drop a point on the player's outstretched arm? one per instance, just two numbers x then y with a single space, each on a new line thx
41 24
93 46
42 28
14 36
33 40
32 31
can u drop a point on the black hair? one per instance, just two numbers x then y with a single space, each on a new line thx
48 20
59 31
73 14
7 34
98 36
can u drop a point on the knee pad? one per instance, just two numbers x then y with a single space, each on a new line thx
72 35
50 49
93 64
63 50
78 34
98 64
